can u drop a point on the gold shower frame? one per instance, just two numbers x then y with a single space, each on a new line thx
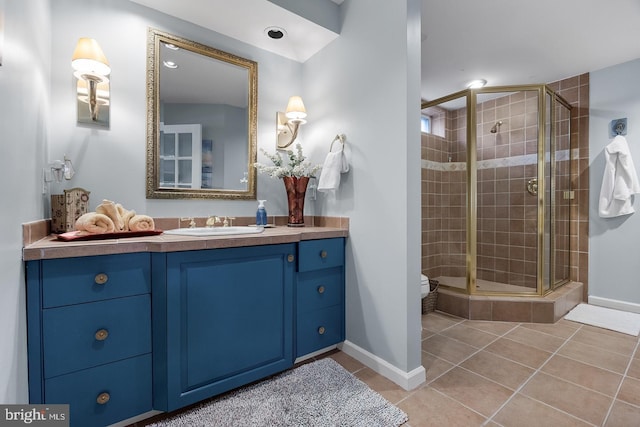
472 191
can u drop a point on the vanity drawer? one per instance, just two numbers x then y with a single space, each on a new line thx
323 253
105 394
85 335
319 329
319 289
77 280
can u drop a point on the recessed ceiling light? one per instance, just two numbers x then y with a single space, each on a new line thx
170 64
275 33
171 46
476 84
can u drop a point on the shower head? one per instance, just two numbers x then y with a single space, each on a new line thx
495 127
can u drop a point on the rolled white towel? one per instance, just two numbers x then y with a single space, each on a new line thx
126 215
94 223
110 209
141 223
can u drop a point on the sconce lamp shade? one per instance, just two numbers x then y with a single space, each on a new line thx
88 58
295 109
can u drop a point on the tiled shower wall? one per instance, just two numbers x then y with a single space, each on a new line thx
507 225
443 211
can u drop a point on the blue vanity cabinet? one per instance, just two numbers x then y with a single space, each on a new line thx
319 295
89 336
222 318
116 336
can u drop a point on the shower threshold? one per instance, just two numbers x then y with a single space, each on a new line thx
526 308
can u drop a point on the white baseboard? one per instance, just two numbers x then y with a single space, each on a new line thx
615 304
406 380
314 354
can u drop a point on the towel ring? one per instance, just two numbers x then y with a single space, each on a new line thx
339 137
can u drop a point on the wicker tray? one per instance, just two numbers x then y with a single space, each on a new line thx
429 302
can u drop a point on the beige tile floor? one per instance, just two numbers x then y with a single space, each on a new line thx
514 375
517 374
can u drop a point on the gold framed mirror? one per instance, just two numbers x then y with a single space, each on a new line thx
201 120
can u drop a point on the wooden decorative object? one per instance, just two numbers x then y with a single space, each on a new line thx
67 208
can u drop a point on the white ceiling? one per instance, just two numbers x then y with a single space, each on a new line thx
246 20
502 41
522 42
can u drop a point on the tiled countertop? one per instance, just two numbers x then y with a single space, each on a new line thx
50 247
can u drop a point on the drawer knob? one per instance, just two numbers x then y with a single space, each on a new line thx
323 254
102 334
321 330
290 258
101 278
103 398
321 289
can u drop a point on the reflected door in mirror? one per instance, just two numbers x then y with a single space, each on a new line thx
181 156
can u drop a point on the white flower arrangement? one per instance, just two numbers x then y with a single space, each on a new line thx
298 165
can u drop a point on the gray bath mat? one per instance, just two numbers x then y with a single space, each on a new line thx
318 394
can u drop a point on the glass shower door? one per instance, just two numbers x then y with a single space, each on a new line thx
507 201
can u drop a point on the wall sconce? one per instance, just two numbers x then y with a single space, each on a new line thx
59 169
91 69
288 122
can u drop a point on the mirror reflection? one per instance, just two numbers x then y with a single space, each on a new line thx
202 110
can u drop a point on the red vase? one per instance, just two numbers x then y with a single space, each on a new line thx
296 189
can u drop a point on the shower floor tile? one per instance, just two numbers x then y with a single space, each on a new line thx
483 285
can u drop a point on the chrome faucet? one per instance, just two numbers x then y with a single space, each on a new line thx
192 222
212 221
225 220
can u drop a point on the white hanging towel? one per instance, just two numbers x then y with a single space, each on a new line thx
620 180
335 164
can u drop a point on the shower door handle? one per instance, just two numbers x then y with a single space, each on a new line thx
532 186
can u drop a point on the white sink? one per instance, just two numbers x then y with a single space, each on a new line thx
216 231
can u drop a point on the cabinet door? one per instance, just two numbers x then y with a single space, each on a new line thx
229 320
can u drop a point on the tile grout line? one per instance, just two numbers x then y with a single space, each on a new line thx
591 364
446 396
538 370
624 376
457 365
519 389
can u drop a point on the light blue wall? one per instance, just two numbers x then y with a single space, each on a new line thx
111 163
614 263
366 84
24 111
38 120
38 117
